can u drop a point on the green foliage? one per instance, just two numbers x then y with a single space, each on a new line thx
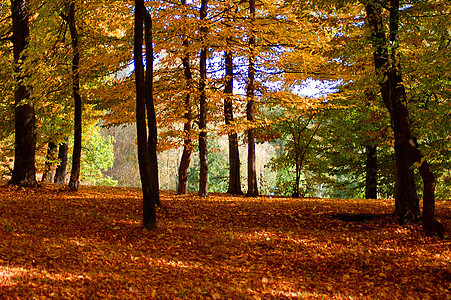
97 157
217 170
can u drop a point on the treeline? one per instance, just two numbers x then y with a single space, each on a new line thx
183 71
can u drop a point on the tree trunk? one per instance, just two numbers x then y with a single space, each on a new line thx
203 175
150 107
74 181
182 186
296 138
24 172
406 150
49 160
297 181
149 202
406 199
407 204
401 121
252 189
60 173
371 172
234 155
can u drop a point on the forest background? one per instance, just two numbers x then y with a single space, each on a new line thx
324 144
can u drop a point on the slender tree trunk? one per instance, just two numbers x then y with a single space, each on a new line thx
234 155
49 160
145 170
296 138
371 172
60 173
150 107
182 186
203 175
252 189
24 172
297 180
74 181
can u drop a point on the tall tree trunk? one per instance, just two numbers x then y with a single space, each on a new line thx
182 186
144 157
24 172
371 172
49 160
203 175
252 189
150 107
401 122
234 155
406 199
394 96
60 173
74 181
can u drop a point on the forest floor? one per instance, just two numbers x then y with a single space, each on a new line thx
90 245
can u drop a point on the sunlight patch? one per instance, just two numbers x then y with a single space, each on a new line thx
8 274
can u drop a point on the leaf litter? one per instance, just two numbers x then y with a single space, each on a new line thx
59 244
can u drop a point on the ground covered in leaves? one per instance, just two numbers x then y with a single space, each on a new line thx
60 244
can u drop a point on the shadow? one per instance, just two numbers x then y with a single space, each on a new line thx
90 245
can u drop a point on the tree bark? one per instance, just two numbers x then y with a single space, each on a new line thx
150 107
234 155
24 172
401 121
60 173
74 181
144 158
406 199
252 188
49 160
203 174
388 68
371 172
182 186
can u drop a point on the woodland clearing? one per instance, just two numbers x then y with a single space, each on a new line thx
90 245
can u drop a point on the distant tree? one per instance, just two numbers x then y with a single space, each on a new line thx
296 134
60 172
217 177
49 160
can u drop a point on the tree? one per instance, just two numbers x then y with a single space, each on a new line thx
296 132
203 173
252 188
144 104
60 172
24 172
49 160
388 70
234 186
182 186
75 77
